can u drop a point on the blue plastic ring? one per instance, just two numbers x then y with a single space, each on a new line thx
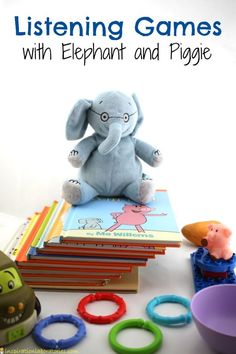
62 343
180 320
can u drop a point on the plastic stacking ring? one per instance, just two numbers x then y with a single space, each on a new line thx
81 309
135 323
62 343
180 320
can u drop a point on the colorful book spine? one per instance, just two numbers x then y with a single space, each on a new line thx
22 255
59 284
44 224
58 224
51 222
25 235
14 241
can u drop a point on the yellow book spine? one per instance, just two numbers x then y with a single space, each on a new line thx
58 225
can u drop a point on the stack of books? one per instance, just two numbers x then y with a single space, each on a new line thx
98 245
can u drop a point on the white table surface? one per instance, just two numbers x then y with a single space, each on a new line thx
169 274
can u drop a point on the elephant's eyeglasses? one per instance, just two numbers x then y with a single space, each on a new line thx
104 116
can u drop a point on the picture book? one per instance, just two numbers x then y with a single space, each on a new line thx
94 244
100 249
122 220
101 273
55 223
67 277
34 255
98 252
29 225
63 265
59 283
114 247
128 283
11 228
41 226
22 255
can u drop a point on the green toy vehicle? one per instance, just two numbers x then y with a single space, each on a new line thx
19 306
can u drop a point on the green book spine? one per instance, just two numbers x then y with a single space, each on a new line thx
44 224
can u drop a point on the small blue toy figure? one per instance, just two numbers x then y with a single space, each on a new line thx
109 159
18 305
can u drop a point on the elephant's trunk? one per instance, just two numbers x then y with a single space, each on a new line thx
112 140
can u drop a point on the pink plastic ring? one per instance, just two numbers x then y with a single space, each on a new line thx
81 309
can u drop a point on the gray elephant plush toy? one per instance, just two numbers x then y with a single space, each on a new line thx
109 159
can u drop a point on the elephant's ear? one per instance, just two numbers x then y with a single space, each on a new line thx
140 114
77 122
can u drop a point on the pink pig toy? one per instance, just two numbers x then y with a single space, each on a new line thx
217 241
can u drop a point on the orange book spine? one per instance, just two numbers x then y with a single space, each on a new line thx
73 276
22 256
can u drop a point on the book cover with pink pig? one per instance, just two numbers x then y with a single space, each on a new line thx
120 220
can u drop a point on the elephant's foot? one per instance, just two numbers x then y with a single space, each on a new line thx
78 192
146 191
140 191
71 191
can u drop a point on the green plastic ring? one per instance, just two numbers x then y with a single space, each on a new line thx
136 323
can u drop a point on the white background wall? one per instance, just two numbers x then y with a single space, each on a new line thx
189 110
